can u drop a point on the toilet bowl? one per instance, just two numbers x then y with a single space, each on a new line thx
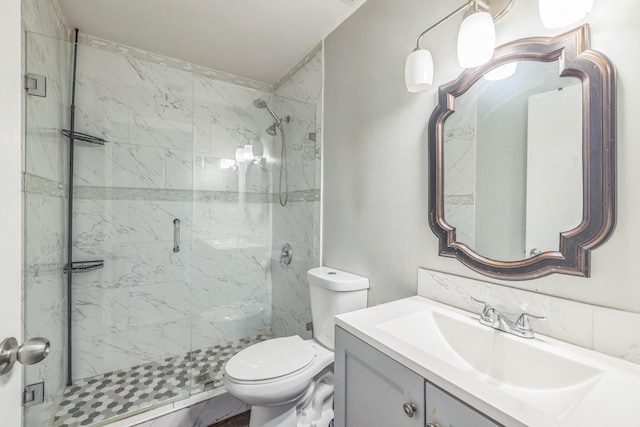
289 381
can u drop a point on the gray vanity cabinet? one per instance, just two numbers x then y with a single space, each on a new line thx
445 410
373 390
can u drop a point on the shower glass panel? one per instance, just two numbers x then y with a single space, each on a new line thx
133 209
181 204
232 225
45 177
297 223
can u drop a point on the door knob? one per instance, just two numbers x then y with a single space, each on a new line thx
32 351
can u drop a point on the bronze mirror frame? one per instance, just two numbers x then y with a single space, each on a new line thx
597 75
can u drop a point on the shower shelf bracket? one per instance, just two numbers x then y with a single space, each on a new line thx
84 266
78 136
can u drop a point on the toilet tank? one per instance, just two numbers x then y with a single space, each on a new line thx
333 292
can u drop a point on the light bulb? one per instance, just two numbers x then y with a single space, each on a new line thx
418 71
502 72
476 39
560 13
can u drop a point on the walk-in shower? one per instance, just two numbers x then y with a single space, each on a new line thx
283 175
150 324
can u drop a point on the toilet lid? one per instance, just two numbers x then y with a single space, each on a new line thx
271 359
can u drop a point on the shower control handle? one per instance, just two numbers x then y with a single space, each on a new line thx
31 352
286 254
176 235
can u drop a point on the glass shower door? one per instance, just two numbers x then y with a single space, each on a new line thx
132 209
45 196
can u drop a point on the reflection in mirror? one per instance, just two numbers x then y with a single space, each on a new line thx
513 149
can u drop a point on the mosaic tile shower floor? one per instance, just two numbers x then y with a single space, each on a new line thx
116 394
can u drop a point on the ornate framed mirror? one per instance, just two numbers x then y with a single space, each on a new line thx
522 159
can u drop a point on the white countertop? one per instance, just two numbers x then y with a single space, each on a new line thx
612 400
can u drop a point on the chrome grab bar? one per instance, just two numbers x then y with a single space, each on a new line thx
176 235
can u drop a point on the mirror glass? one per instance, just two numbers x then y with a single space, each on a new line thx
512 161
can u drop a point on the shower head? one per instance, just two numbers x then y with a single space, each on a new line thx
271 130
261 103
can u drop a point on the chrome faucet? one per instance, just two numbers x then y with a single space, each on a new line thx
496 320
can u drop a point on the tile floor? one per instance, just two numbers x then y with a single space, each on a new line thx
119 393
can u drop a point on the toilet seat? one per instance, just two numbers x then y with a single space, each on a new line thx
286 388
271 360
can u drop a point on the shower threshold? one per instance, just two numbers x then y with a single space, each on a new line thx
119 394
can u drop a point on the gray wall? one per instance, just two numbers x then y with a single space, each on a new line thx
375 159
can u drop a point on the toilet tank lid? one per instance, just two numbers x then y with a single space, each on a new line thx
336 280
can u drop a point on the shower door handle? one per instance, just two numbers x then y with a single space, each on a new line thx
176 235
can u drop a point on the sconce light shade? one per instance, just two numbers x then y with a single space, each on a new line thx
418 71
476 39
560 13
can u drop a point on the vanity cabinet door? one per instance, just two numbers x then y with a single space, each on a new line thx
373 390
444 409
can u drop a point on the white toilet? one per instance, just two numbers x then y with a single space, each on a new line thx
289 381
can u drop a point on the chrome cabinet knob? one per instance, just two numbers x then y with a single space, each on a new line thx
432 425
32 351
409 409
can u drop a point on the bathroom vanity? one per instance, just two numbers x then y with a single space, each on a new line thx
416 362
382 392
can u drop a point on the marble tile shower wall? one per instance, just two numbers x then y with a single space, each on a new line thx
298 223
459 188
172 135
45 161
606 330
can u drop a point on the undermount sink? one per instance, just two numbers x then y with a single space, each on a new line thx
531 371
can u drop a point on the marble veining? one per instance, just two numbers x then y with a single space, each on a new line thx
298 223
44 186
44 17
305 85
460 170
589 326
294 73
172 134
107 45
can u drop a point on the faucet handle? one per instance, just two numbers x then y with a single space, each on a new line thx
488 312
523 324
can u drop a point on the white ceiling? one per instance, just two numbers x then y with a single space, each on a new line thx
256 39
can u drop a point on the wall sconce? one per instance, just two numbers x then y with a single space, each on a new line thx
476 36
560 13
476 40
